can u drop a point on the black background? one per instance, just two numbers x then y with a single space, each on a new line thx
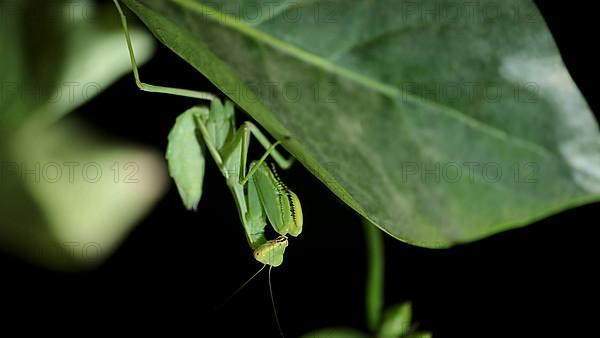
177 265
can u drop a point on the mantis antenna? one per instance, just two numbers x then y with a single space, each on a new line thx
270 293
273 303
234 293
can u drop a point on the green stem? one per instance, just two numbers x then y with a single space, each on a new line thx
375 275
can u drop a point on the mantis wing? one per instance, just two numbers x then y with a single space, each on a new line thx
273 197
185 156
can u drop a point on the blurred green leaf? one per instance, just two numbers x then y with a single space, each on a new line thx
87 192
352 87
186 157
336 333
419 335
60 55
57 55
396 321
11 67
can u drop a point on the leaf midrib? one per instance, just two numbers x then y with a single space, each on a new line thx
301 54
375 85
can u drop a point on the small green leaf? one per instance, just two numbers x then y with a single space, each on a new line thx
396 321
419 335
341 332
186 157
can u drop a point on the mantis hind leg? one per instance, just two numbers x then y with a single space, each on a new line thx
152 88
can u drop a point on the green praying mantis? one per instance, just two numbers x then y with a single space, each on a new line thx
258 192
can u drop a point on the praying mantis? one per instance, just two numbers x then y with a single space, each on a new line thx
258 192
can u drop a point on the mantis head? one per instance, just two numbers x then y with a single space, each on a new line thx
271 253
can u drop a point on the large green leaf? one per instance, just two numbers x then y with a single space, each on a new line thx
351 82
